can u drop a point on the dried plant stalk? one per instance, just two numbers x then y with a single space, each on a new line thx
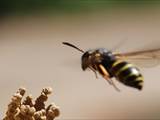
29 110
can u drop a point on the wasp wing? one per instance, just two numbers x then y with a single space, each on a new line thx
144 58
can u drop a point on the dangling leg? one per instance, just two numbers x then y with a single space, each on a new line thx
113 84
93 71
110 81
107 77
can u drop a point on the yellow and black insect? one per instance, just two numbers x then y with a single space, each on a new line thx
111 65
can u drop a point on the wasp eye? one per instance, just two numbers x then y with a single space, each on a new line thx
85 61
85 55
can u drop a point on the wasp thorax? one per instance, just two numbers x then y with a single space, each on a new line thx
91 58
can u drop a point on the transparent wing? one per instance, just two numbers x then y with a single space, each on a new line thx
144 58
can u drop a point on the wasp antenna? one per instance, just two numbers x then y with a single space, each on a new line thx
71 45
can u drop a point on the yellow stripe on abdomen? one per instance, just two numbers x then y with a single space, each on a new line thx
127 74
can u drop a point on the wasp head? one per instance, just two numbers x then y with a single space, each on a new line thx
86 60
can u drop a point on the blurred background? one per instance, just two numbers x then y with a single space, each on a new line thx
31 54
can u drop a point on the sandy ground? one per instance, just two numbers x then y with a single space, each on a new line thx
31 55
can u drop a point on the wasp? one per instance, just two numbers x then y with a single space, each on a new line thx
115 65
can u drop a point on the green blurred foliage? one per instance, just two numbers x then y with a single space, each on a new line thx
66 6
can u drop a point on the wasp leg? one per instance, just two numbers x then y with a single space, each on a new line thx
113 84
110 81
94 71
107 77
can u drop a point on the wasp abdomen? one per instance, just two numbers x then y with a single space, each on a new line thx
127 74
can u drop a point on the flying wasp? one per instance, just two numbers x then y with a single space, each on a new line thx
114 65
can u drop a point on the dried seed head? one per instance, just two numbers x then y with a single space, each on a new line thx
47 90
21 90
28 101
28 110
52 111
40 115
